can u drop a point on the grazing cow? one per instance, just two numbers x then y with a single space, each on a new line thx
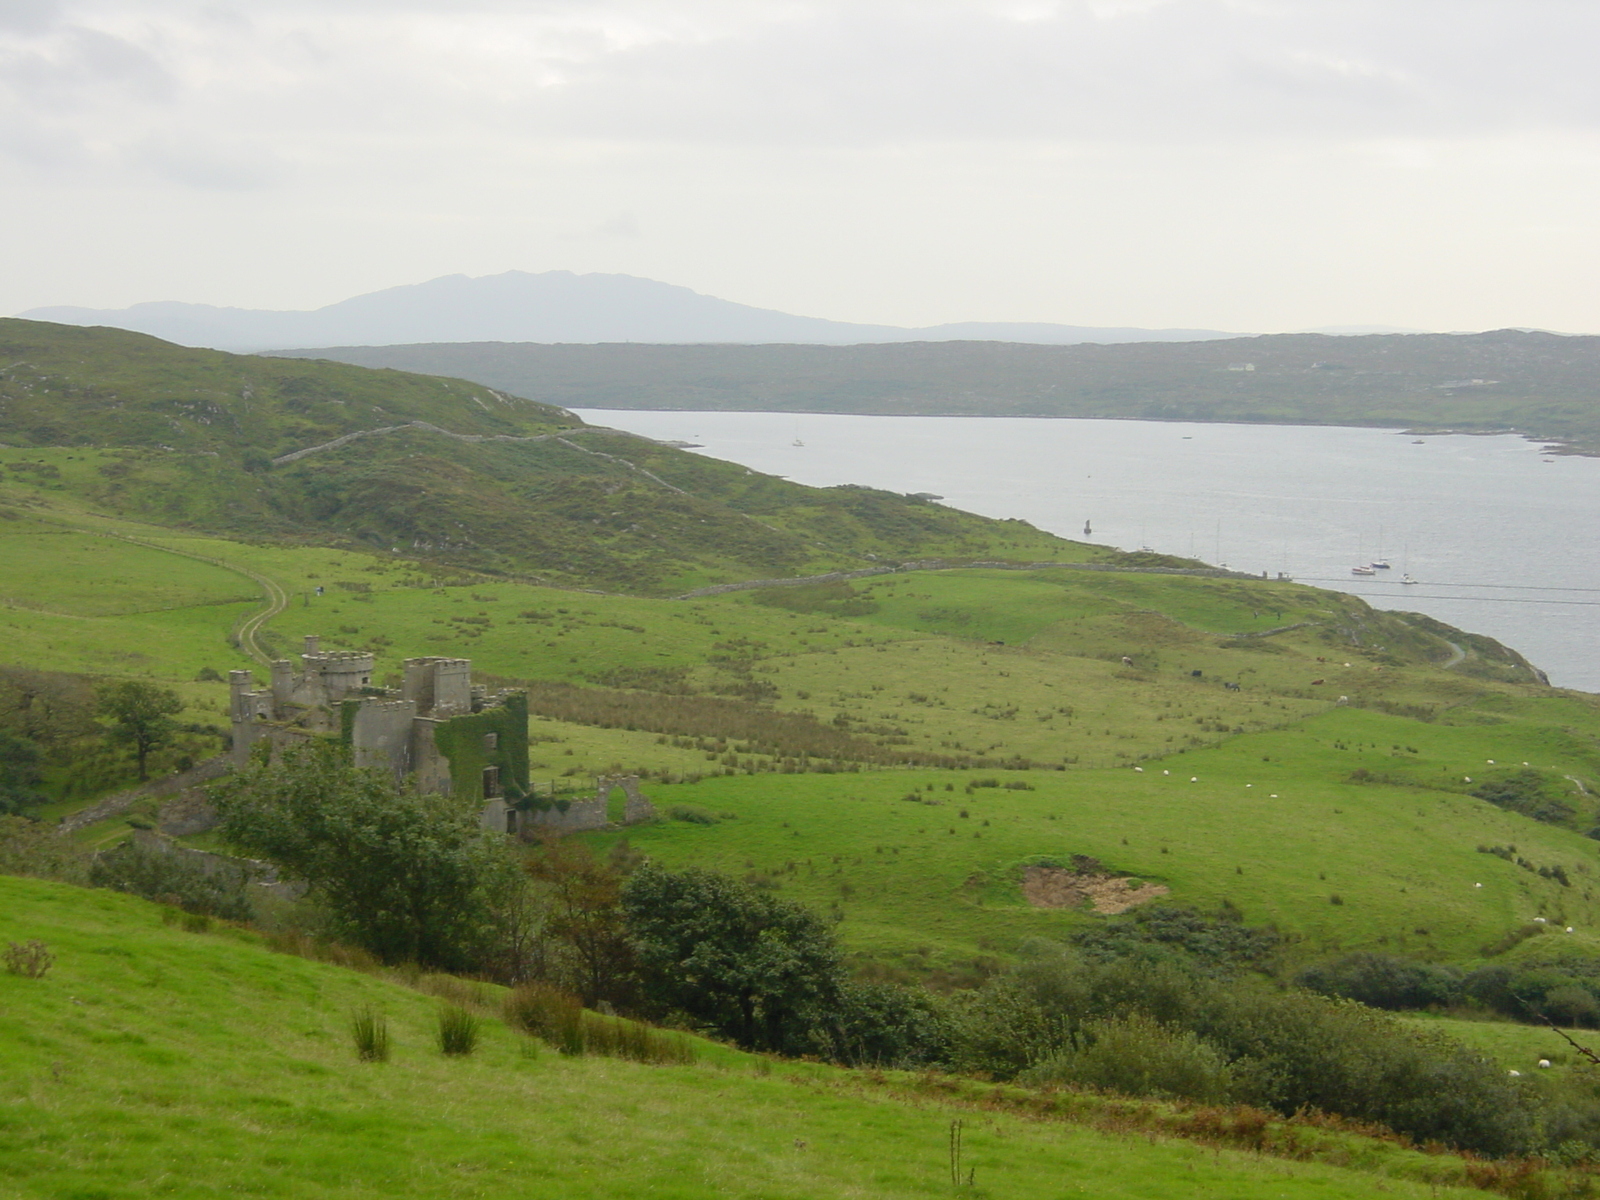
1342 700
1126 661
1316 682
1232 687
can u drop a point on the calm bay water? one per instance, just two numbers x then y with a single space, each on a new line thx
1504 540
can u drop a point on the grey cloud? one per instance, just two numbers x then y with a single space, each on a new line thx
80 68
1188 69
382 79
28 16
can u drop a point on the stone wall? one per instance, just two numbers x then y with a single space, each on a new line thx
581 815
380 734
121 802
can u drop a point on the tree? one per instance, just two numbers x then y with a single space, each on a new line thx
410 877
585 897
50 708
19 773
141 716
759 970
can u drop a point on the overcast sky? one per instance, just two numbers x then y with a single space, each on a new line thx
1252 165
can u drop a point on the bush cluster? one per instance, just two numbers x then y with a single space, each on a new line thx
166 876
1564 990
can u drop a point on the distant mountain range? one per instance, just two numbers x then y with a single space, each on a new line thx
555 306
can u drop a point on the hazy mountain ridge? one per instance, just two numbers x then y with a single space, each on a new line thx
1542 384
554 306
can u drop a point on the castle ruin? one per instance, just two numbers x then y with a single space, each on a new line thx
438 728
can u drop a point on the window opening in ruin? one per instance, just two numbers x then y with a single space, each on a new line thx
511 820
491 783
491 741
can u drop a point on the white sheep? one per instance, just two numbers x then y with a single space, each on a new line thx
1544 1062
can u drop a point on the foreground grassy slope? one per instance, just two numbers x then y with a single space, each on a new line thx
456 473
156 1062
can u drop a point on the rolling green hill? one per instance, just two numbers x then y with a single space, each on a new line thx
454 473
1541 384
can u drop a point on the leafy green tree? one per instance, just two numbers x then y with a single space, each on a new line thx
585 916
19 773
410 877
141 716
759 970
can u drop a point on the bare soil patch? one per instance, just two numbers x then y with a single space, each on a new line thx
1058 887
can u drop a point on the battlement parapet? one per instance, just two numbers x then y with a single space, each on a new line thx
344 659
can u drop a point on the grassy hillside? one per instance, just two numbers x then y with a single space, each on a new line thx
154 1061
458 474
1541 384
818 717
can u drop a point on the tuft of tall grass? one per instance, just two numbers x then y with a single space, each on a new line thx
559 1018
463 993
635 1041
456 1031
548 1013
29 959
370 1030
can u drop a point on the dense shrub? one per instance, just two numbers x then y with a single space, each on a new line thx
1566 991
752 968
1290 1050
1275 1049
1383 981
1137 1056
19 773
1536 794
1217 942
29 847
212 889
885 1025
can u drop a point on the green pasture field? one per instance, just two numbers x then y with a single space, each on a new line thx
1265 822
1516 1047
151 1062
